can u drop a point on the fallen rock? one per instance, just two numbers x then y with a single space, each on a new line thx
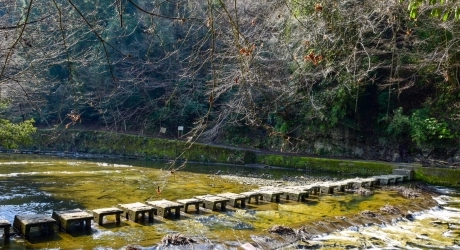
304 234
176 240
390 209
369 213
133 247
410 193
282 230
363 191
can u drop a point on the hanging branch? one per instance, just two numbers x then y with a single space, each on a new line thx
10 51
155 14
120 11
102 40
23 24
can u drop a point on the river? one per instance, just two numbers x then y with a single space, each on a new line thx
36 184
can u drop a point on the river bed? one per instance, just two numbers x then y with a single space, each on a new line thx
35 184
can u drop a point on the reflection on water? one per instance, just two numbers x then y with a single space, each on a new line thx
32 184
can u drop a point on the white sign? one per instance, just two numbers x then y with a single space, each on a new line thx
162 130
180 128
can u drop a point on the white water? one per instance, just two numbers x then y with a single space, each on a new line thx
436 228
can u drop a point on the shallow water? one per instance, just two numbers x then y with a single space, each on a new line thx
436 228
33 184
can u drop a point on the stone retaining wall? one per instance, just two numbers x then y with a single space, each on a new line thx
107 144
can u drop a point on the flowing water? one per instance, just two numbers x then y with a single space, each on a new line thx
33 184
435 228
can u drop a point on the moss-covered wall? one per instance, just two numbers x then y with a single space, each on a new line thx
435 176
330 165
439 176
99 142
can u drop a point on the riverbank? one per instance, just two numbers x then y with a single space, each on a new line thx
85 143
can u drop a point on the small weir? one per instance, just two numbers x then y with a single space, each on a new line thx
214 202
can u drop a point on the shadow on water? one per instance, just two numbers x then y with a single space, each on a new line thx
42 238
79 231
146 222
113 224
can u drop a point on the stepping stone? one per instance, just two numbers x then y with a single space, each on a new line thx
65 218
344 185
399 178
252 194
372 181
328 188
23 223
407 173
358 183
211 201
132 211
296 194
234 199
191 201
100 213
269 194
164 207
388 179
364 182
313 189
6 225
376 180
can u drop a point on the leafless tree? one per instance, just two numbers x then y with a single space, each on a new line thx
210 64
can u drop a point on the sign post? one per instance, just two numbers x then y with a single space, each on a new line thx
180 131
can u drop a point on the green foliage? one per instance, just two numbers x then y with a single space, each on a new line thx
280 124
428 129
303 8
419 127
438 9
284 128
399 125
13 135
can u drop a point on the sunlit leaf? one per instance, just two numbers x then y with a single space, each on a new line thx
445 16
436 12
413 13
